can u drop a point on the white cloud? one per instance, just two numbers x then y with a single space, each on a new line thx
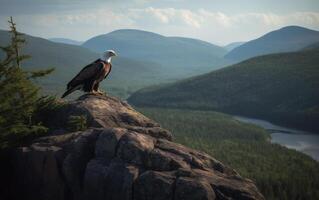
271 19
202 17
218 26
202 23
167 16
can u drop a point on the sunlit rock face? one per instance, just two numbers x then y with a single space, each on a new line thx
122 155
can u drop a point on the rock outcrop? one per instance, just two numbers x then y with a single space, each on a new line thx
123 155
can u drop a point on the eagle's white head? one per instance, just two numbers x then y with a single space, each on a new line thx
107 55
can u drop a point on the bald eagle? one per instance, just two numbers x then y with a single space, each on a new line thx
89 78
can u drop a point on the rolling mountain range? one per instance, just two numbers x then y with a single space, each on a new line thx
312 46
181 56
233 45
287 39
283 88
154 61
145 58
65 41
68 60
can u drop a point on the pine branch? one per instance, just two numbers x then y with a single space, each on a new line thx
16 40
40 73
23 57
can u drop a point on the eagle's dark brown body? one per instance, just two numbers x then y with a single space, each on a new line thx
89 77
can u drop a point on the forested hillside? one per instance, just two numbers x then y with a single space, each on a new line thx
283 88
279 173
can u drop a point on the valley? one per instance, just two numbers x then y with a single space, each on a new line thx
281 88
244 147
197 90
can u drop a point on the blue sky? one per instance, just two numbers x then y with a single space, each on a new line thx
219 22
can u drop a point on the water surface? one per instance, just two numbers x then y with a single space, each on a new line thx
305 142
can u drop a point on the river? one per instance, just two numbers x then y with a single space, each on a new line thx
305 142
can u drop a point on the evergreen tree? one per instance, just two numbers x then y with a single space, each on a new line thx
18 94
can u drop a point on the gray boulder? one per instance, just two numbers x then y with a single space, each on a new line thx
123 155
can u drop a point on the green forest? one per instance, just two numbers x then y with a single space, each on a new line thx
282 88
246 148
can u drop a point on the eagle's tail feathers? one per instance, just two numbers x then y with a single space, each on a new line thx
69 91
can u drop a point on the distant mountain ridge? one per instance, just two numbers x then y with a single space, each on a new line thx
286 39
181 56
314 46
68 60
66 41
233 45
44 53
174 58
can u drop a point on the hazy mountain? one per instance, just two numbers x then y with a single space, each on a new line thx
181 56
65 58
201 45
314 46
287 39
65 41
280 87
233 45
127 74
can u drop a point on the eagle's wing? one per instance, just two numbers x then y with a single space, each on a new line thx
87 72
109 70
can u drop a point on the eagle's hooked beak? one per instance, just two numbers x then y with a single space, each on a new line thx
113 54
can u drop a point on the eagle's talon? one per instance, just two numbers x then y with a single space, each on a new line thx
101 92
92 93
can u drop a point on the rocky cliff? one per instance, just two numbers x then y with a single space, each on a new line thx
123 155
